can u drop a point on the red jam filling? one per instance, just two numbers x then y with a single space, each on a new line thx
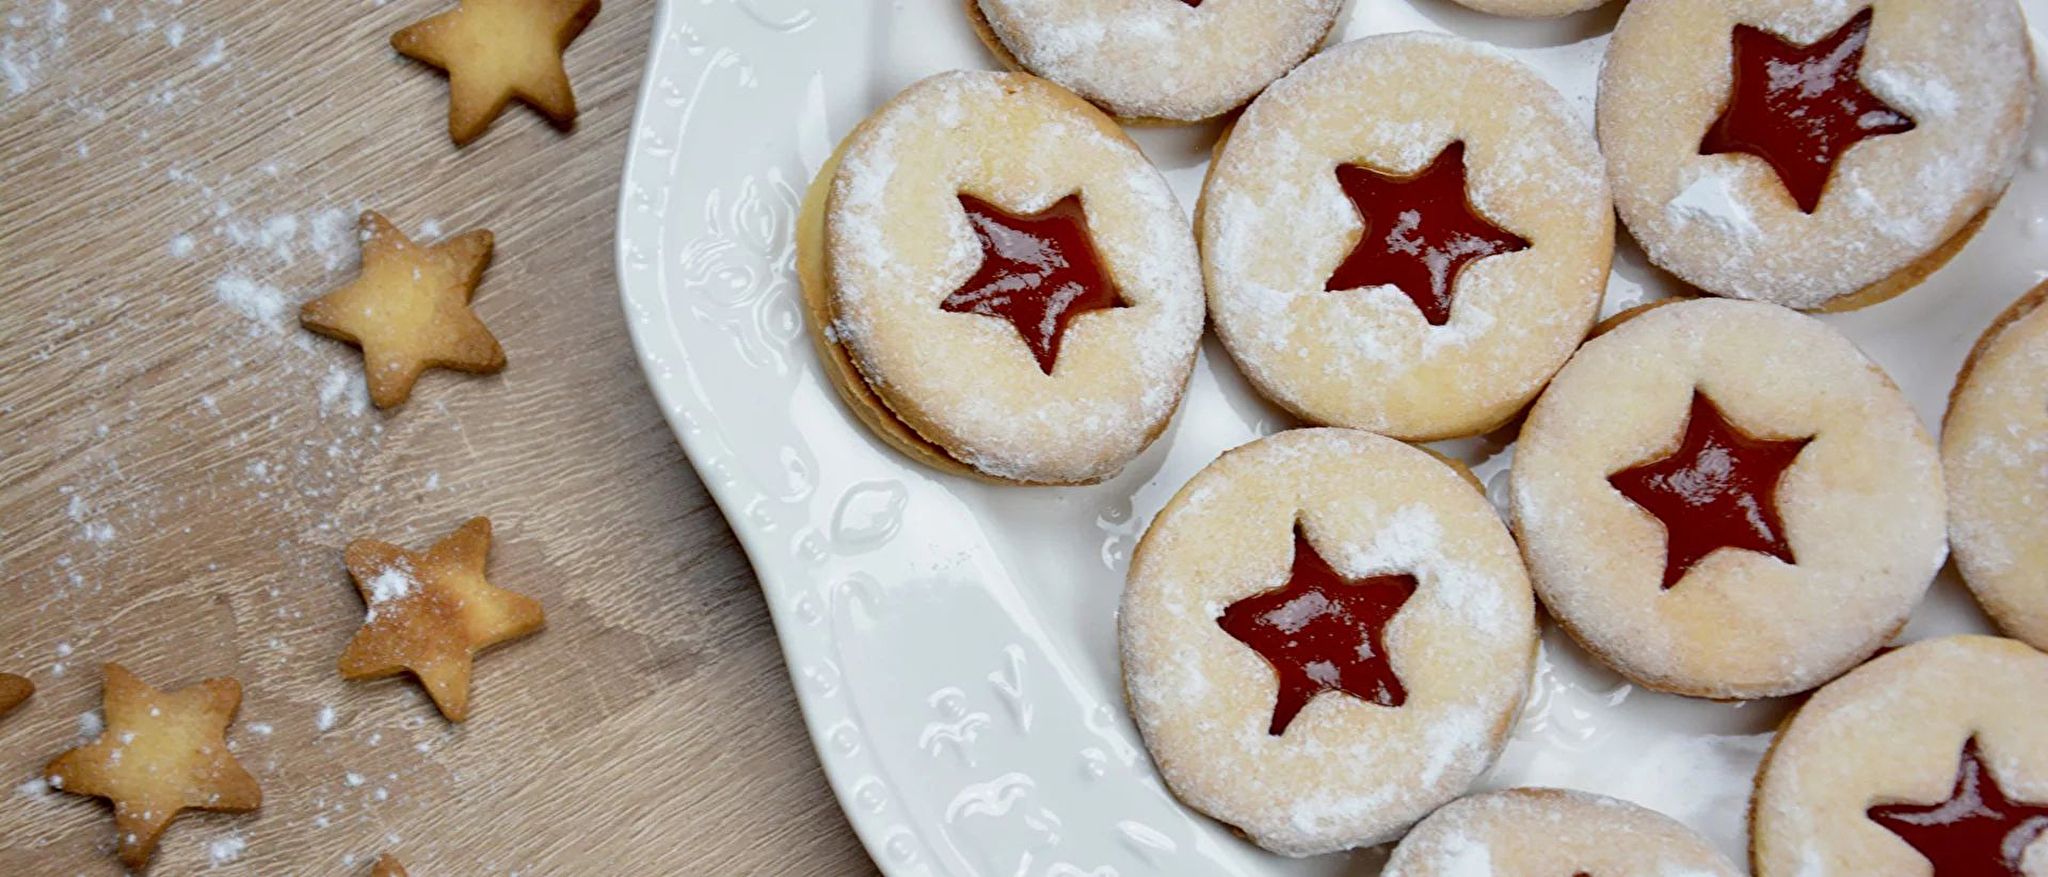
1322 632
1420 231
1039 272
1977 832
1718 490
1800 107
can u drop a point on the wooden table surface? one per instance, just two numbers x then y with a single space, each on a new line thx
180 464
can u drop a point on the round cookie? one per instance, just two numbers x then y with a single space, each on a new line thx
1408 234
1932 759
1326 635
1817 154
999 283
1165 61
1531 8
1727 499
1553 833
1994 451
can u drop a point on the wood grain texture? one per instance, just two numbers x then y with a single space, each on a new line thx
180 465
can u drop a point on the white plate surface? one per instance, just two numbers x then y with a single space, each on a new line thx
953 643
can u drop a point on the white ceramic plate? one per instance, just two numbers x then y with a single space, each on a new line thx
953 643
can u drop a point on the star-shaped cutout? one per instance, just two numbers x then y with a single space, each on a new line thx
1420 231
1039 272
13 690
1322 632
1977 832
430 613
160 754
388 866
409 309
1717 490
496 50
1799 108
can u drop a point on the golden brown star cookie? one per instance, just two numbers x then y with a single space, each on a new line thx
161 753
496 50
430 613
388 866
409 309
13 690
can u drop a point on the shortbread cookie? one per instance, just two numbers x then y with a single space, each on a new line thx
1327 634
998 282
497 50
1931 760
1156 60
1812 153
13 690
1415 267
1994 450
1553 833
161 753
409 309
1727 499
430 613
388 866
1531 8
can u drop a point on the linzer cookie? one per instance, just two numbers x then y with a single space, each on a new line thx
998 282
161 753
1727 499
1994 449
498 50
1156 60
430 613
1818 154
1931 760
13 690
1553 833
409 309
1408 234
1325 636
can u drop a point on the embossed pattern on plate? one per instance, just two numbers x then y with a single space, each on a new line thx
952 643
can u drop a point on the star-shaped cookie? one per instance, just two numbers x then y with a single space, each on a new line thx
161 753
496 50
409 309
431 612
388 866
13 690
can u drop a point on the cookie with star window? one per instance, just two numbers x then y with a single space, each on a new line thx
1819 154
1326 634
1535 832
1727 499
1156 61
1415 266
1930 760
998 283
1994 450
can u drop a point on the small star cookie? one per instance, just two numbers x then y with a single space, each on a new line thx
409 309
430 613
161 752
496 50
13 690
388 866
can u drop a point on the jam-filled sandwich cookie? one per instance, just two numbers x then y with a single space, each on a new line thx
1168 61
1994 450
1408 234
1727 499
999 283
1931 760
1553 833
1812 153
1326 635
